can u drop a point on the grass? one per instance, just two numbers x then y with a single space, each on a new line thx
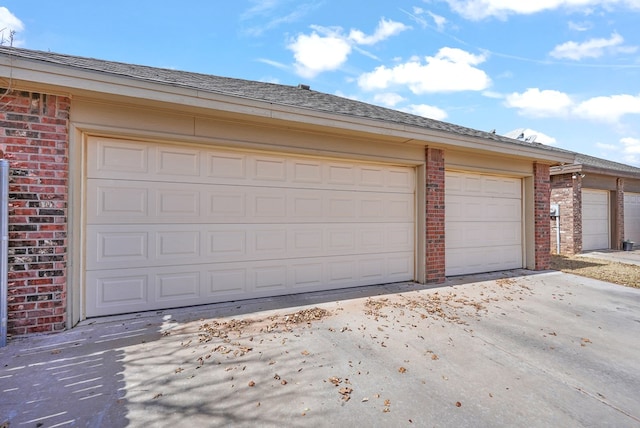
603 270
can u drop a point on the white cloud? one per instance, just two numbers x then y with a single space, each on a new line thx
592 48
501 9
628 151
315 53
419 14
549 103
388 99
537 103
493 94
385 29
580 26
428 111
608 109
631 145
272 63
271 14
327 49
448 71
440 21
607 147
631 150
8 23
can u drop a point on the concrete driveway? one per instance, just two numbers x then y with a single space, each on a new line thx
509 349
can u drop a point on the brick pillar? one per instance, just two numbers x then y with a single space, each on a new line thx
34 136
542 190
435 249
619 213
566 191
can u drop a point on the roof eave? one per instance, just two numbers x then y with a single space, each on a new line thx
69 80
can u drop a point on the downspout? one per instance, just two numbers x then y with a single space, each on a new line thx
555 212
4 248
558 234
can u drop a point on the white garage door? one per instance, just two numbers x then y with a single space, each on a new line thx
483 227
170 226
595 219
632 217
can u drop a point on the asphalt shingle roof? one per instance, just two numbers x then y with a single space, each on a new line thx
590 161
291 96
285 95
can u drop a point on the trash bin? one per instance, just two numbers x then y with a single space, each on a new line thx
627 246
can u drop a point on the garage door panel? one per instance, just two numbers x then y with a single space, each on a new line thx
177 245
461 183
595 219
268 169
113 157
123 246
109 158
142 202
178 161
467 208
178 286
138 289
483 227
483 234
632 217
462 261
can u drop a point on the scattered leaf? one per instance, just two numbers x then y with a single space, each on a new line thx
252 383
458 404
402 370
155 397
335 380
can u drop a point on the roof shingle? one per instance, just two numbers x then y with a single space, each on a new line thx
284 95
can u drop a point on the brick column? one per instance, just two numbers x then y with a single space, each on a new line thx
34 137
619 212
435 248
566 191
542 191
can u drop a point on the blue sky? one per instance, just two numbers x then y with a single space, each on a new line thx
566 71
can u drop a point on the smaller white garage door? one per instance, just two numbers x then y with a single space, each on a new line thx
483 227
595 219
632 217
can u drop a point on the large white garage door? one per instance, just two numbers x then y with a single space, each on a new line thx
632 217
170 226
483 227
595 219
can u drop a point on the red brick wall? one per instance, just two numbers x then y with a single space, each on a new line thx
542 190
566 191
435 249
34 138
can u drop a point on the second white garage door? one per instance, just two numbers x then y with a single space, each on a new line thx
632 217
483 227
170 225
595 219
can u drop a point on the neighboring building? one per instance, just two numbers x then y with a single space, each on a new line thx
599 203
136 188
